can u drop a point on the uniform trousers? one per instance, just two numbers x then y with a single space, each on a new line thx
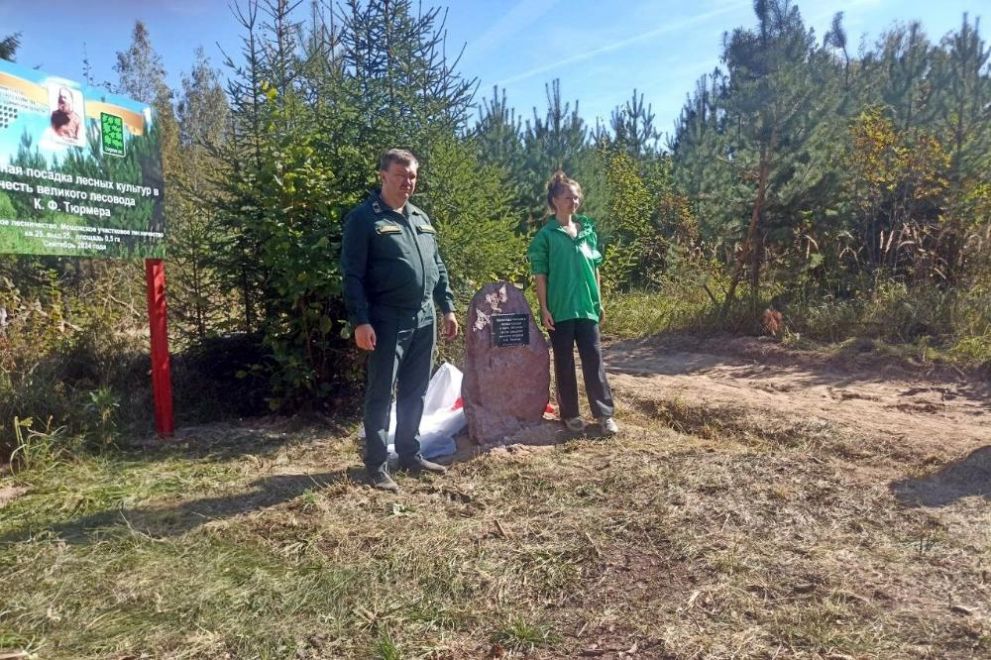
402 359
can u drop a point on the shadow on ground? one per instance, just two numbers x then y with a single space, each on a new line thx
159 521
166 521
964 478
258 436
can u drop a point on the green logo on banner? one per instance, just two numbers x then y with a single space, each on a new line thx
112 129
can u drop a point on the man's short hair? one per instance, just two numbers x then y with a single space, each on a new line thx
401 156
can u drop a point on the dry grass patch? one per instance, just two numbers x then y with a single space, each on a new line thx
716 541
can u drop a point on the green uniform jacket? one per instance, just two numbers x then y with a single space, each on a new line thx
570 265
391 264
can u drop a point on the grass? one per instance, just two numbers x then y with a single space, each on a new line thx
641 313
918 325
689 535
520 635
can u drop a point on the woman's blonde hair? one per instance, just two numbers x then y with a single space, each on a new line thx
559 183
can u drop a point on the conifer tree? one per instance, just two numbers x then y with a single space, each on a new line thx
9 45
633 127
199 304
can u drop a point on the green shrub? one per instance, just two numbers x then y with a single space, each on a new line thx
72 374
221 377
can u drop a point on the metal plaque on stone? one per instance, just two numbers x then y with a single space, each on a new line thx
510 330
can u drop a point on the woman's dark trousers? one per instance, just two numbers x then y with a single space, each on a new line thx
564 337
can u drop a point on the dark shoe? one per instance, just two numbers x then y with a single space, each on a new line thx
575 424
381 480
420 464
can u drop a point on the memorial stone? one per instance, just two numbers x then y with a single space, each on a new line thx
507 365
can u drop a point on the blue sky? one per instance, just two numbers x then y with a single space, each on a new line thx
600 49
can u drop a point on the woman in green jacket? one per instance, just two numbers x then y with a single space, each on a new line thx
564 258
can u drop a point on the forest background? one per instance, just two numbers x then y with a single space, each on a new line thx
808 192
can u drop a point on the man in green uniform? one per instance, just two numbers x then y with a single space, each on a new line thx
393 277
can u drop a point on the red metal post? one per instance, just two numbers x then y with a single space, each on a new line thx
161 376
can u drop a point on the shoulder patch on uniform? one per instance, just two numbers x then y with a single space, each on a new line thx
426 229
388 229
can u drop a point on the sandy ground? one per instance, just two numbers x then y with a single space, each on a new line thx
942 412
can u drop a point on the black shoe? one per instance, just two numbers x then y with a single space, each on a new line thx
381 480
420 464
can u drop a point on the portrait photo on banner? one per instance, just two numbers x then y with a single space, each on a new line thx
67 112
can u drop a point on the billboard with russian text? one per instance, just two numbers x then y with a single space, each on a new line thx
80 170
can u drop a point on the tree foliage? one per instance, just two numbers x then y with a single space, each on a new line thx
801 172
816 173
9 45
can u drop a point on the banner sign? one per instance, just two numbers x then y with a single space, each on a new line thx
80 170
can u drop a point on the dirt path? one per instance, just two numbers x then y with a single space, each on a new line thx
943 413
